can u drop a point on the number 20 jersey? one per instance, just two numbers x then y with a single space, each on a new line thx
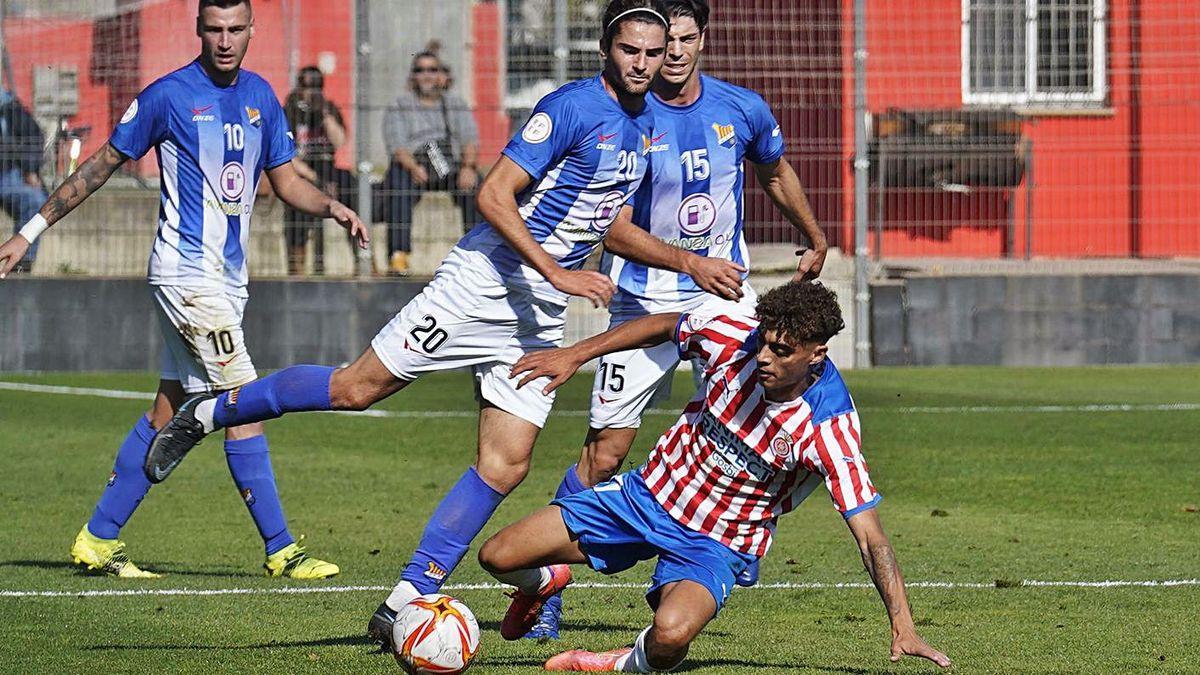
212 144
692 194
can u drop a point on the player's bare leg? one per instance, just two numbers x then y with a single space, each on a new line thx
363 383
604 450
684 609
532 555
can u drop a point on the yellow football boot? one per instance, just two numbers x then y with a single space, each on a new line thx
105 556
294 562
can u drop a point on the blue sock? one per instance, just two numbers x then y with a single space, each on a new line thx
250 464
461 515
295 389
570 483
126 486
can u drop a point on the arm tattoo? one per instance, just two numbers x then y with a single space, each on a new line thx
93 173
885 572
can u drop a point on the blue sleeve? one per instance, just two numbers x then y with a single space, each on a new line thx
144 123
279 146
766 138
548 136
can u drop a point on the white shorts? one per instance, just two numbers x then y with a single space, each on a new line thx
467 317
205 349
626 381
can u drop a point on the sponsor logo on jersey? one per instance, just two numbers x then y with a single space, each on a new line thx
227 208
130 112
733 456
434 572
697 243
203 115
781 447
253 116
607 209
697 214
538 128
248 496
725 132
233 181
650 145
604 141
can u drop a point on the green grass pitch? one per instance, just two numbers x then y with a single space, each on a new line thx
971 496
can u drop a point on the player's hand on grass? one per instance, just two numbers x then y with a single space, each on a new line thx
720 277
910 644
557 364
812 261
591 285
348 219
11 253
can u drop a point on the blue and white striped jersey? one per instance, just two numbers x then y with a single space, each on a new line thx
692 195
587 156
212 144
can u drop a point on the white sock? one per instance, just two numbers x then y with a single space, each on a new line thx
527 581
635 661
204 413
401 595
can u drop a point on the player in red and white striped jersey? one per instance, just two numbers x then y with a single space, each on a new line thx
772 421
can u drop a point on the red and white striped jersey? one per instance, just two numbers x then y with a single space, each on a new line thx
734 461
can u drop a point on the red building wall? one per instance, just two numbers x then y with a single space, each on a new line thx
1115 182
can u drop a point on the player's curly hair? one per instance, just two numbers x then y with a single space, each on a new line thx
642 11
697 9
804 311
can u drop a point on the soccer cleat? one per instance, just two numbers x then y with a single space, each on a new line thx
546 627
172 443
105 556
524 610
379 629
583 660
294 562
749 576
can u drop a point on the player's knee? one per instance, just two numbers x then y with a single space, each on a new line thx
493 555
673 631
502 473
604 452
346 393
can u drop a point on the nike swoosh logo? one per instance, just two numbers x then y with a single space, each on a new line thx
659 137
604 138
201 111
605 401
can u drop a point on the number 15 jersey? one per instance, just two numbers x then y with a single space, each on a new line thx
692 194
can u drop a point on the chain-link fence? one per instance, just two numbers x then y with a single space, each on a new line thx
994 128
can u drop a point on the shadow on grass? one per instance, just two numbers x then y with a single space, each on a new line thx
165 569
740 664
347 641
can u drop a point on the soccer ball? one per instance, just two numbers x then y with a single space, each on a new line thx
435 634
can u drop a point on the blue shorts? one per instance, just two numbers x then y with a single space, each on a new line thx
619 523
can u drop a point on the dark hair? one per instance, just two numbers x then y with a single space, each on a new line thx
313 74
431 51
652 11
804 311
222 4
697 9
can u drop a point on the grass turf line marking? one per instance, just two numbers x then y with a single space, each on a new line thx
455 414
815 585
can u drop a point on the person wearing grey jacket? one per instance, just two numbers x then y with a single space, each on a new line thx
433 143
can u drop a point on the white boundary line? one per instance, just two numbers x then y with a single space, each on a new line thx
816 585
454 414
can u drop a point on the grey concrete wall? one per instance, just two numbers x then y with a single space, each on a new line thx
1058 320
109 324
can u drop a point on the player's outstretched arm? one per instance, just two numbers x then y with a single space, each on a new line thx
93 173
560 364
880 561
715 275
304 196
497 203
782 184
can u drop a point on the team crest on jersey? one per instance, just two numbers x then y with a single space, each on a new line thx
538 128
232 398
651 144
725 133
130 112
248 497
253 116
434 572
781 447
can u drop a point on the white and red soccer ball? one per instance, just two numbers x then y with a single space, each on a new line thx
435 635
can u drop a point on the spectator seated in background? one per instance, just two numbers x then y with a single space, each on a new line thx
319 130
21 192
433 142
